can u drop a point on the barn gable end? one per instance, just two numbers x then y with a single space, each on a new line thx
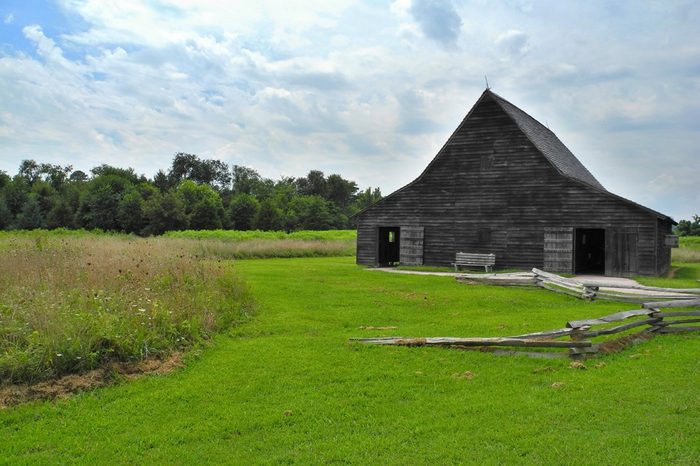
500 182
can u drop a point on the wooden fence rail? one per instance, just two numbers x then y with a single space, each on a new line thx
636 293
579 332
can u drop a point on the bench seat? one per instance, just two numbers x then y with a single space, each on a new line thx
467 259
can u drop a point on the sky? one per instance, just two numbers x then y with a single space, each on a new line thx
367 89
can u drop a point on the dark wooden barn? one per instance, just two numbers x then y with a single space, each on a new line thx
505 184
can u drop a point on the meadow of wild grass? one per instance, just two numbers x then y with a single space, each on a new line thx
689 250
238 235
232 244
72 302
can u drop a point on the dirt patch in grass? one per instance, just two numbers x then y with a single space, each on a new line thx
64 387
618 344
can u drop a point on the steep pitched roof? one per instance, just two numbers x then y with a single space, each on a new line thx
547 143
556 152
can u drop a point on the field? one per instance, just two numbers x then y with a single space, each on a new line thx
689 250
74 302
286 386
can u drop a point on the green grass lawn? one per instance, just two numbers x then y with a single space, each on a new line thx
685 275
288 387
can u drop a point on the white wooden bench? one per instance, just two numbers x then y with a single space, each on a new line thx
466 259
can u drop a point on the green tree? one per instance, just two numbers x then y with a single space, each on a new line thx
269 216
29 171
16 192
46 195
190 167
78 176
5 215
130 215
203 205
30 217
61 215
242 211
247 181
207 214
314 184
127 173
689 227
99 205
340 191
367 198
4 179
164 213
310 212
161 181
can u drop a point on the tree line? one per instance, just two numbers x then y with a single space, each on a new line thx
194 193
689 227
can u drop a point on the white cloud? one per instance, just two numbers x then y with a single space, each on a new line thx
9 18
513 43
438 20
45 47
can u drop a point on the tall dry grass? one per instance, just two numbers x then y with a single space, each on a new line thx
269 248
689 250
686 255
69 304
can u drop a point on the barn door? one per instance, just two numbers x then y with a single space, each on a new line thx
559 249
411 246
621 258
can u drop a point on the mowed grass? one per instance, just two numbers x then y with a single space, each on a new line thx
288 387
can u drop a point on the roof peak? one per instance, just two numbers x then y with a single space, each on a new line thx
546 142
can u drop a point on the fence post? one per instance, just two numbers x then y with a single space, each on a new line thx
659 324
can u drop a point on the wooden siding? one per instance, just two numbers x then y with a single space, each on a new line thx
489 190
663 253
411 245
559 249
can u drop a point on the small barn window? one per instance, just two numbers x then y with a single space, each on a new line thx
671 241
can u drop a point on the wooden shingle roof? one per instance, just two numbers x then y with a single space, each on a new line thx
556 152
547 143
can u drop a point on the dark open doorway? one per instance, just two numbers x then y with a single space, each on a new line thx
389 245
590 251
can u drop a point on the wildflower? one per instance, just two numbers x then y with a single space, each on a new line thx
59 355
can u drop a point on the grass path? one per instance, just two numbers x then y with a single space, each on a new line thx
287 387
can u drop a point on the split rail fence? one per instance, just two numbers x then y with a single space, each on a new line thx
577 335
635 293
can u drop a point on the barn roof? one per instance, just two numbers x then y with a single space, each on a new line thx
556 152
547 143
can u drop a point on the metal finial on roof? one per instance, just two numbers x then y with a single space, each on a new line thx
487 82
